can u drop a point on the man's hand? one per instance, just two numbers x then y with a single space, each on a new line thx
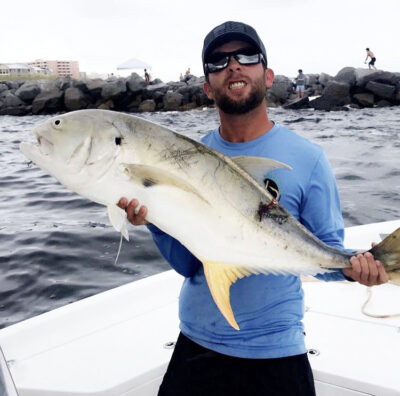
366 270
134 217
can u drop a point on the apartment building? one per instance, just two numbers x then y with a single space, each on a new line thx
58 68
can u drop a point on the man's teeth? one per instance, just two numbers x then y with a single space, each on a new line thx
237 85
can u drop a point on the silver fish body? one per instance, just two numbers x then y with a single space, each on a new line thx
211 203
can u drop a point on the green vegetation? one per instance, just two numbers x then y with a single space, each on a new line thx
25 77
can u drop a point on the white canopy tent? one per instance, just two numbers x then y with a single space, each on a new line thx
132 64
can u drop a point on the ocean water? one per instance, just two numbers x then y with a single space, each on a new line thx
57 247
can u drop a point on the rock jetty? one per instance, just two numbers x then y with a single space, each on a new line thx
351 87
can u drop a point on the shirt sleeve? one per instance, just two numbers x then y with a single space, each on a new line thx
321 212
180 258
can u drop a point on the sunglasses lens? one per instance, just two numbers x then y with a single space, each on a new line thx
248 59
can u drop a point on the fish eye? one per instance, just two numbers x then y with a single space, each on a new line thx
57 123
118 141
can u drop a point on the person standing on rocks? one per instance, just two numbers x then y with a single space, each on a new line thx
371 55
300 84
146 76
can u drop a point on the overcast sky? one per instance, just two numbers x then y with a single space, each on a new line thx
317 36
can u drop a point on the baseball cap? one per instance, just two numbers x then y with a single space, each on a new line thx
229 31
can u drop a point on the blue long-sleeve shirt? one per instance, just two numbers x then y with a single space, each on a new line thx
268 308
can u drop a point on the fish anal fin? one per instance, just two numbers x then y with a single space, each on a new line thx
219 278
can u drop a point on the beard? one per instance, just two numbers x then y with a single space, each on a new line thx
242 106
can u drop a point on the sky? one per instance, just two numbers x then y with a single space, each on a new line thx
314 35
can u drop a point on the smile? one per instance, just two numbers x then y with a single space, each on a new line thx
237 85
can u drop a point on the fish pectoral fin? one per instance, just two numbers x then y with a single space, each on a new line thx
149 176
219 278
257 167
117 218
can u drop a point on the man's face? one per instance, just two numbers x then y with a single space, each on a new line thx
238 89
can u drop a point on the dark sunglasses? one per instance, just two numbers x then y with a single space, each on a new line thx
220 60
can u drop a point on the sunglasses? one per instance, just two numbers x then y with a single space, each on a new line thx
220 60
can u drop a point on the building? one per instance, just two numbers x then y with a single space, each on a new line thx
58 68
16 69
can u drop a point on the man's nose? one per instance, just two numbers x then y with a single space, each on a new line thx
233 63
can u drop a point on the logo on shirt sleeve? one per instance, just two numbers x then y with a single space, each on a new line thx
272 187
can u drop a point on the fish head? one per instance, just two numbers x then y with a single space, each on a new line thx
71 145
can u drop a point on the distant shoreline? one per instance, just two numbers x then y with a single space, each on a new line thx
351 87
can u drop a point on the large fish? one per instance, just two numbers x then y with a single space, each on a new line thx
214 205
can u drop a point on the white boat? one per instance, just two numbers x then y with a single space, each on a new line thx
119 342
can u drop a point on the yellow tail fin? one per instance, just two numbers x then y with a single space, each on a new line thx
388 251
219 278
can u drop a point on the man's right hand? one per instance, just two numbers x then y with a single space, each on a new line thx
134 216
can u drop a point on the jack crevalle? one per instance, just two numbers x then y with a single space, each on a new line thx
214 205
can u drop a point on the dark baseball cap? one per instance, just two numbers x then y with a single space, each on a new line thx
230 31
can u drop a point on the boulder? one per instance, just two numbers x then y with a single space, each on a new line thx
281 89
108 105
365 76
75 99
12 105
336 94
311 79
147 105
135 83
94 87
3 87
11 100
300 103
383 103
172 101
28 91
324 79
364 99
384 91
13 84
48 101
113 89
346 75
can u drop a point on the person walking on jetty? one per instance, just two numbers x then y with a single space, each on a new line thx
146 76
300 84
371 55
268 355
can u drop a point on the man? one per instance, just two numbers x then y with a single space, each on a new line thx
300 84
146 76
267 356
371 55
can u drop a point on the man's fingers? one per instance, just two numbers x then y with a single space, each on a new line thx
122 203
364 268
383 277
130 210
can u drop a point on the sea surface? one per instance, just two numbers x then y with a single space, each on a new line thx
57 247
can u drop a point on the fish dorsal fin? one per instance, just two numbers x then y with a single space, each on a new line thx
117 218
150 176
258 167
219 278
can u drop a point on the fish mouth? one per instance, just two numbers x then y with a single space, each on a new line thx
45 145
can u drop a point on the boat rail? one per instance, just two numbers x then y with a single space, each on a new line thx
7 387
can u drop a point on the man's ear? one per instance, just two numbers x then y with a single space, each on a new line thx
207 90
269 78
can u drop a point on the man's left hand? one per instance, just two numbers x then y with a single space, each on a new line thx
366 270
